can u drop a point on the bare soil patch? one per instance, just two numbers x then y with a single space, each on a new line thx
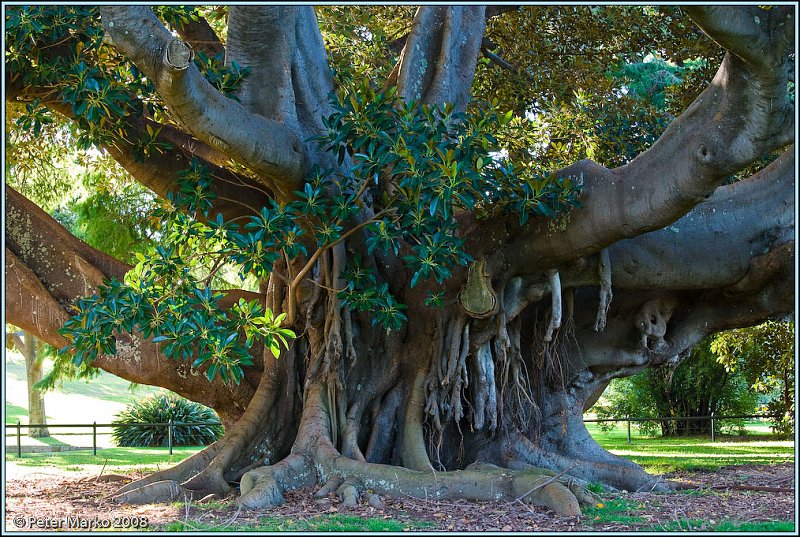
53 495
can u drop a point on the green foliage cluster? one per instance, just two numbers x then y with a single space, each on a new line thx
116 219
60 49
163 297
765 356
698 386
130 431
421 164
363 42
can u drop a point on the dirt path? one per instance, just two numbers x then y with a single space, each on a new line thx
48 496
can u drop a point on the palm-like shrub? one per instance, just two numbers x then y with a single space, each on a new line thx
160 409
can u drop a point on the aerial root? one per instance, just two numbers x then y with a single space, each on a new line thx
604 271
555 311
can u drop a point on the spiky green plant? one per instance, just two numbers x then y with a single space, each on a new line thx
131 429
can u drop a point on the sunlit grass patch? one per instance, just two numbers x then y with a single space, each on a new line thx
333 522
142 459
617 510
663 455
696 524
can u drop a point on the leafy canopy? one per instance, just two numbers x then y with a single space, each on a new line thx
421 165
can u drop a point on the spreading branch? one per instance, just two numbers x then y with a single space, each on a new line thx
439 59
266 146
743 114
47 269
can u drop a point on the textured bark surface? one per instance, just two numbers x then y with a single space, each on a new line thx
481 398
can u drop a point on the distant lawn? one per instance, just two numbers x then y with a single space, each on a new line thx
118 459
663 455
16 413
76 401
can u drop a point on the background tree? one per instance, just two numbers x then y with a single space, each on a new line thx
765 356
698 386
27 345
430 294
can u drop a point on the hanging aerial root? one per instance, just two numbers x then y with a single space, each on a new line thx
484 391
604 271
555 312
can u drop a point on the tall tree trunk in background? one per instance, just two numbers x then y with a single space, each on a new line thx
27 344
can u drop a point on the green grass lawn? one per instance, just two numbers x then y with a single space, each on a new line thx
116 459
333 522
623 511
662 455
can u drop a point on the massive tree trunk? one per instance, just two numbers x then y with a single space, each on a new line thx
469 400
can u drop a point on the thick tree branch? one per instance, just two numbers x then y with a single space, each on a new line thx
236 195
728 263
290 81
47 269
749 32
201 36
266 146
743 114
439 59
757 212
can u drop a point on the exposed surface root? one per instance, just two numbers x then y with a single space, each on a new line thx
479 482
264 487
160 491
356 481
614 472
178 473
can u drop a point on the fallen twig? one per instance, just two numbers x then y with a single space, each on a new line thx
548 481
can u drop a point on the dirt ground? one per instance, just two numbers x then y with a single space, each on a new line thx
47 496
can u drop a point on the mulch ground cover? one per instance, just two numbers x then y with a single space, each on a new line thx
716 496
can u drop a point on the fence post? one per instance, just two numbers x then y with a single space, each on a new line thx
169 435
713 435
19 439
629 428
94 439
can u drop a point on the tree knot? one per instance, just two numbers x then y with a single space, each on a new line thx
178 55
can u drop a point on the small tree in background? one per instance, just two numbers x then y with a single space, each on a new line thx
764 355
27 344
698 386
